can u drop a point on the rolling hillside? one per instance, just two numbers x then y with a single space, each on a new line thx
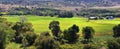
81 3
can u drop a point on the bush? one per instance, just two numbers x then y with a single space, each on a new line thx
45 41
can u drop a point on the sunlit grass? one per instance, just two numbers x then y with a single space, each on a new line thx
41 24
103 28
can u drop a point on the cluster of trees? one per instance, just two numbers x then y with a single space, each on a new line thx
32 11
71 35
61 13
98 12
65 14
39 12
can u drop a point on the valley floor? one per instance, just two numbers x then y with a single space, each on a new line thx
103 28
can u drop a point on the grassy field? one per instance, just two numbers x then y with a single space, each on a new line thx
103 28
41 24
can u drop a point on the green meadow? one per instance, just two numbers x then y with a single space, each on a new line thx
40 23
103 28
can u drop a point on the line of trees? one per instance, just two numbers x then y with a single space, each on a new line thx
38 12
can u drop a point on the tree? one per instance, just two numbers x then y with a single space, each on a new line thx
24 28
6 33
88 33
2 37
71 34
21 28
45 41
66 14
55 28
116 31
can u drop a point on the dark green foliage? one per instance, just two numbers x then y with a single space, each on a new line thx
1 14
21 28
99 12
118 40
88 33
71 34
55 28
45 41
90 46
6 33
30 37
19 11
116 31
33 11
3 20
2 37
66 14
113 44
24 42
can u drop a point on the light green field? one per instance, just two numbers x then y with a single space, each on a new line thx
103 28
40 24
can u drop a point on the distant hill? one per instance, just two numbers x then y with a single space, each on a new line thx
63 3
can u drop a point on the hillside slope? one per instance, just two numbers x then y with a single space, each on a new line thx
81 3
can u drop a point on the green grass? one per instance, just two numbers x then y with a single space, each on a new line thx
103 28
41 24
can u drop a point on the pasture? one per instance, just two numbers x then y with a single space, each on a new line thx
103 28
40 23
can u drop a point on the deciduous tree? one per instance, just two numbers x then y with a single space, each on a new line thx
71 34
